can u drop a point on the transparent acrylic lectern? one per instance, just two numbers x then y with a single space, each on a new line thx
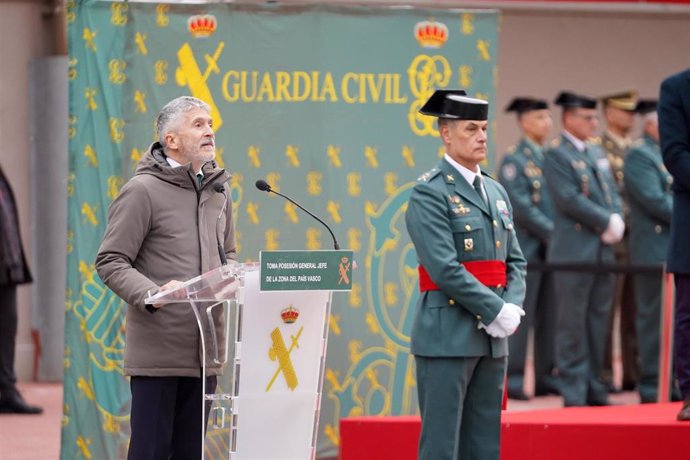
276 342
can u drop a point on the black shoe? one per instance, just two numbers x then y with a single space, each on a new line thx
629 386
601 403
573 404
676 396
684 414
545 389
613 389
518 395
648 399
11 402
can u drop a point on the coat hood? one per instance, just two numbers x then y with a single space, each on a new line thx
154 163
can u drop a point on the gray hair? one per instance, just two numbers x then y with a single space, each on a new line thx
170 113
443 121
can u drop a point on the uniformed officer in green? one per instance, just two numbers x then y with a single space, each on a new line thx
588 222
648 184
521 175
472 281
619 114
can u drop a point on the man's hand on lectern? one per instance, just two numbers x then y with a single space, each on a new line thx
169 286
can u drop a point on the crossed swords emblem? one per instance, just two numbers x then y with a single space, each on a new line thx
278 351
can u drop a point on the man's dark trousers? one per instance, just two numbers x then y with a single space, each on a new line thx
166 417
682 332
8 335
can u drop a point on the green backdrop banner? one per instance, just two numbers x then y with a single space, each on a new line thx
321 102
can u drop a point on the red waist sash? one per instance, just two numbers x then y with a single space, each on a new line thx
491 273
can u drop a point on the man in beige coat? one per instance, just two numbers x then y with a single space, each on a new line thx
161 231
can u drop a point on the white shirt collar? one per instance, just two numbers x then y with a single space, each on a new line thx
579 145
468 174
175 164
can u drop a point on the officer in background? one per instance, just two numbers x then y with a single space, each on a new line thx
648 184
472 281
587 223
619 113
521 175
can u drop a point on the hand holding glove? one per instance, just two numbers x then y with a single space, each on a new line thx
614 231
506 322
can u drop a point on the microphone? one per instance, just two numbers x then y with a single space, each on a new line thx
266 187
218 187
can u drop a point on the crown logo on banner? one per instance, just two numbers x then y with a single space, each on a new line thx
431 34
289 314
202 25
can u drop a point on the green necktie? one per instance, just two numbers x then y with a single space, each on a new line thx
199 179
478 188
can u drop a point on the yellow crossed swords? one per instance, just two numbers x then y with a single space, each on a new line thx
279 352
189 74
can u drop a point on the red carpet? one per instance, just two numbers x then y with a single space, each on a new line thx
633 432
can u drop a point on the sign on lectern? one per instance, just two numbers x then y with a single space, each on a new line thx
306 270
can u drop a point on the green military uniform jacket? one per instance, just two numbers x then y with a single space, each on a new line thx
616 154
449 223
521 175
651 202
585 197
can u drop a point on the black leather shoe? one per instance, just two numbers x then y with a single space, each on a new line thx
684 414
613 389
629 386
518 395
676 396
11 402
647 399
601 403
545 389
573 404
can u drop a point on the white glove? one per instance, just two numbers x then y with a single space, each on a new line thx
614 231
506 322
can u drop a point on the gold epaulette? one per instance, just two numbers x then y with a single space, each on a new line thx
428 175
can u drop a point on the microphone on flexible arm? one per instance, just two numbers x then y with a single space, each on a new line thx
218 187
266 187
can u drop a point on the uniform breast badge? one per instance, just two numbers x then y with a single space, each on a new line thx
585 185
456 205
469 244
532 170
502 208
